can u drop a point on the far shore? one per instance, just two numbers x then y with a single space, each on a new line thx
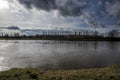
62 38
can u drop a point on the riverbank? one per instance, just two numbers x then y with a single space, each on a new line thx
107 73
62 38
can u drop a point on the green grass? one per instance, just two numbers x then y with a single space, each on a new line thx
107 73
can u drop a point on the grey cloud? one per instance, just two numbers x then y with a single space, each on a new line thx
65 7
118 23
113 9
13 27
94 24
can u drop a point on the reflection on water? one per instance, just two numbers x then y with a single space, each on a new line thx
58 54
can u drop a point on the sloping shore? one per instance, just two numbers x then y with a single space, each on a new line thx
107 73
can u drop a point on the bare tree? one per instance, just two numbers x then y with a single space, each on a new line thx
113 33
96 33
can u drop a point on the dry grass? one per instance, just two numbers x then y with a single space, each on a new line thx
107 73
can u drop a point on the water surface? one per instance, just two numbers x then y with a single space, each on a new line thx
49 54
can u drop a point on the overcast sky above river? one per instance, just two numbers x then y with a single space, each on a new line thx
60 13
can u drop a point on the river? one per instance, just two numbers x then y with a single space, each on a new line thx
50 54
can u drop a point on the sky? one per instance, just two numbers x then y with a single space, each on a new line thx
76 14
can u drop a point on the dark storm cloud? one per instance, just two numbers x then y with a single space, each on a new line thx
93 13
65 7
40 4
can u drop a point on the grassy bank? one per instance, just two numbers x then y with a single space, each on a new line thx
107 73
